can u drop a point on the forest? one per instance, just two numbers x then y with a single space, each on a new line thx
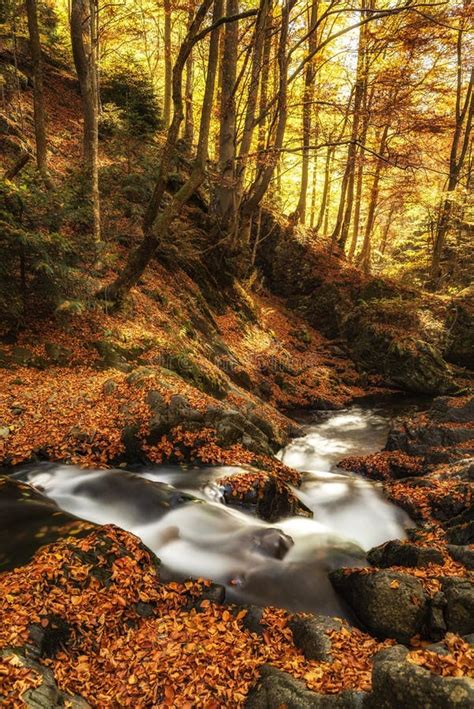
236 353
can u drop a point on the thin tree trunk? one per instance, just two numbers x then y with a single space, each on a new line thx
225 191
365 254
38 93
188 93
168 64
308 96
344 215
83 38
325 195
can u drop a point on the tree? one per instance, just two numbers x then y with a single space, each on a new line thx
38 93
84 48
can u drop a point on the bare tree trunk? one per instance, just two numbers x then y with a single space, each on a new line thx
365 254
264 80
459 147
84 47
225 190
308 96
168 64
341 229
263 178
188 93
38 94
249 122
325 195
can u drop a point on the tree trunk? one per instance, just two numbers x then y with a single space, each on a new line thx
84 47
461 138
168 64
188 93
365 254
308 96
225 191
325 195
38 95
344 215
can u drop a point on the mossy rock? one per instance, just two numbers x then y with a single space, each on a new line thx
460 349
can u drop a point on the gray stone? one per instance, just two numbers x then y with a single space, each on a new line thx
459 613
310 635
463 554
279 689
388 604
397 553
397 683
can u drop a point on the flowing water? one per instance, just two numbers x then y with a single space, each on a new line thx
179 514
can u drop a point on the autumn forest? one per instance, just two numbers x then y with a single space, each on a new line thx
236 353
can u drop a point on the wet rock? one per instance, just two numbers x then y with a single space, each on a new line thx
462 554
47 695
452 504
279 689
311 636
271 501
133 448
253 620
459 612
419 440
396 553
387 603
396 683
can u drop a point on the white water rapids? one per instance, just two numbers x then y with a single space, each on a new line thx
178 514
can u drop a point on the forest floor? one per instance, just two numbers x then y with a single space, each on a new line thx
179 376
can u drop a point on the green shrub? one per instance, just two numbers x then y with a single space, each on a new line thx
129 89
37 266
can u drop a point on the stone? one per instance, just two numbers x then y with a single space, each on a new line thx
389 604
459 612
397 553
310 635
279 689
463 554
397 682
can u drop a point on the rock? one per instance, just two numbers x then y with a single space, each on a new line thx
461 534
139 376
447 409
109 386
462 554
57 354
47 695
279 689
4 431
387 603
253 620
460 349
156 401
133 450
453 503
396 683
396 553
459 612
271 501
310 635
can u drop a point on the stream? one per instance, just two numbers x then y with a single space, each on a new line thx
179 514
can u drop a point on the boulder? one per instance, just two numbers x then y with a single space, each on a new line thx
463 554
387 603
279 689
397 682
310 635
396 553
459 611
47 695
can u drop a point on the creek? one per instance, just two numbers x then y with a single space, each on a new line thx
179 513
